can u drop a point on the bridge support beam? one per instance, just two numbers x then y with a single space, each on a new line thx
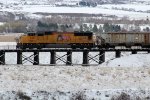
118 54
36 58
101 57
69 58
19 57
134 52
85 58
2 58
53 58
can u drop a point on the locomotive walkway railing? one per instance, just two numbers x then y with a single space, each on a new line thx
65 59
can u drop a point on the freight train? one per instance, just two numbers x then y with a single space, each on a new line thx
83 40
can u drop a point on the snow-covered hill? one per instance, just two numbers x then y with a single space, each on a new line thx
134 13
71 1
135 9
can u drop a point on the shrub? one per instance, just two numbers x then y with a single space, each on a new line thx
122 96
23 96
78 96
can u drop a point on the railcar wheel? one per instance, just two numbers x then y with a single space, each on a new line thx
74 47
82 47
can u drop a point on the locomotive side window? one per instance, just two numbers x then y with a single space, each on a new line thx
40 34
31 34
48 33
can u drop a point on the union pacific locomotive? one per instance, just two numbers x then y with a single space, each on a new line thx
83 40
56 40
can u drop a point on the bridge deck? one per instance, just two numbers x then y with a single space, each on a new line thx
73 50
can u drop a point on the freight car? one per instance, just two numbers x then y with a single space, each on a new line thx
56 40
127 39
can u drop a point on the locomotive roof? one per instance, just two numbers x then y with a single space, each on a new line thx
83 33
50 32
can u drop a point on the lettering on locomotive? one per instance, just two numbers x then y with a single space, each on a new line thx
63 38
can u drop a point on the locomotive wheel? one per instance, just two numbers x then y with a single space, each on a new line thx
73 46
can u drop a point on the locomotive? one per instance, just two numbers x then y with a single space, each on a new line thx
56 40
83 40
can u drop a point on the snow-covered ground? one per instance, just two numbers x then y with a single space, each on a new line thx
88 10
137 7
129 74
136 10
65 81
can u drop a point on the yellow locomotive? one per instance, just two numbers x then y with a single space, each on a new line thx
56 40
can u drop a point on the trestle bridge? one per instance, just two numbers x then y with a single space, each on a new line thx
98 59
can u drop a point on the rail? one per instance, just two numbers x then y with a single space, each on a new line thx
12 48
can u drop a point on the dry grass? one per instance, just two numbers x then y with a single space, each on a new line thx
7 39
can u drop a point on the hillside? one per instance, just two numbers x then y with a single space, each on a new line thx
135 9
51 2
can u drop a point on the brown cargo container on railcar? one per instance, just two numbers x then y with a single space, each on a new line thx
128 39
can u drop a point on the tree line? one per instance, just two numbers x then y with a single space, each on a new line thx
84 27
25 26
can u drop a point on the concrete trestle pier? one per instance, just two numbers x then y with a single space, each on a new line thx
54 58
